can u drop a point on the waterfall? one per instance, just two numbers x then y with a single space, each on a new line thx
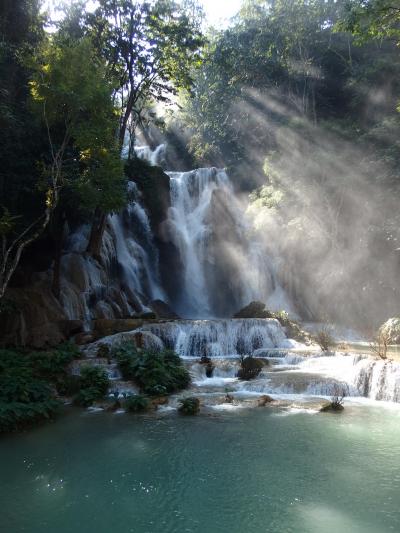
127 275
224 265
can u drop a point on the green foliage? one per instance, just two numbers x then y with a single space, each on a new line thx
25 397
71 90
156 373
189 406
93 385
266 196
53 365
136 403
371 19
150 48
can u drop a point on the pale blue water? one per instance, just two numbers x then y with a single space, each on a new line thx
252 471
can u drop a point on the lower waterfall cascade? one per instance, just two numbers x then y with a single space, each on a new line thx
291 369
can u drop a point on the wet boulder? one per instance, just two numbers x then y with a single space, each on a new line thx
264 400
189 406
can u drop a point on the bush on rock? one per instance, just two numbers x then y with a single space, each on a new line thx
250 367
93 384
136 403
189 406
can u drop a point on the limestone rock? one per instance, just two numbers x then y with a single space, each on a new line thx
163 310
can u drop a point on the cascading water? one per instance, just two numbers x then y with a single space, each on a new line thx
127 275
301 373
224 265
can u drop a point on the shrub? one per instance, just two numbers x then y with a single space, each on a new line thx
25 397
93 385
380 344
250 367
189 406
136 403
337 399
53 365
324 339
156 373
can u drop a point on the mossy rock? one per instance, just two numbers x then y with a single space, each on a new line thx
250 367
189 406
254 310
331 407
264 400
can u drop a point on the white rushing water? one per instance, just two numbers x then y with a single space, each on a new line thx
224 265
221 338
127 275
290 368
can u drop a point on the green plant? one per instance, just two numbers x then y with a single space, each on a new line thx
93 384
25 397
156 373
136 403
52 365
189 406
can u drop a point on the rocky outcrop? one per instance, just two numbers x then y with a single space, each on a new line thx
254 310
163 310
293 330
104 327
153 183
35 318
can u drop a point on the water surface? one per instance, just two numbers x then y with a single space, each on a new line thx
260 470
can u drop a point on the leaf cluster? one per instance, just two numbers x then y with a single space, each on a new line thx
156 373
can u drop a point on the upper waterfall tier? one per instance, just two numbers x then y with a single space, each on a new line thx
224 265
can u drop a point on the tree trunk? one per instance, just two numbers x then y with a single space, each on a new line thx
124 121
96 234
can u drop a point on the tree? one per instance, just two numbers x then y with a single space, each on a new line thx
21 32
150 49
372 19
71 97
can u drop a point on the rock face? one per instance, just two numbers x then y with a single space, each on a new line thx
35 319
163 310
391 330
154 185
103 327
